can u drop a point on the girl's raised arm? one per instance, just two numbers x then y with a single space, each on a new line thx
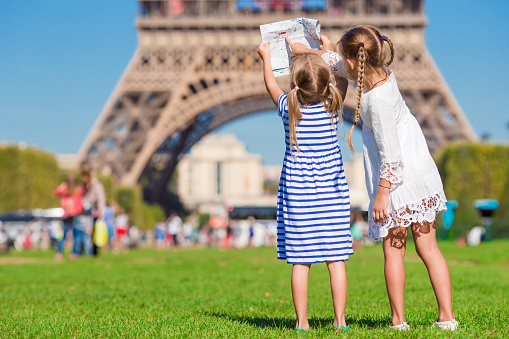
268 76
299 48
327 53
61 189
336 65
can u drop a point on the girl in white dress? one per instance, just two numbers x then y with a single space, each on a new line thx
403 182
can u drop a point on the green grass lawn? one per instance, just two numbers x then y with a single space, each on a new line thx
238 293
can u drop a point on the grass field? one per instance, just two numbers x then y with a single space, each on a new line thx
238 293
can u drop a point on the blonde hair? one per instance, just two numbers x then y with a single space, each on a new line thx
311 84
366 45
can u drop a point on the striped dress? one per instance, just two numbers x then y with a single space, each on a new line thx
313 208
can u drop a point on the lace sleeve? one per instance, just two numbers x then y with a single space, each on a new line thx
335 63
392 172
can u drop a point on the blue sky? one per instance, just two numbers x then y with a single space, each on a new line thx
60 60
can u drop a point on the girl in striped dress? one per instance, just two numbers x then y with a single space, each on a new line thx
313 209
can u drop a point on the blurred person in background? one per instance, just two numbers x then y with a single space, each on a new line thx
248 6
109 219
122 228
204 235
187 233
174 229
45 239
134 236
56 232
314 6
259 233
71 195
356 229
27 238
228 241
242 233
280 6
94 200
36 232
177 7
82 226
214 223
233 225
160 234
219 226
271 233
252 223
4 245
475 235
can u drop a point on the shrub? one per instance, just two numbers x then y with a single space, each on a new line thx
28 178
151 215
475 171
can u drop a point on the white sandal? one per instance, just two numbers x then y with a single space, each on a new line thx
446 325
401 327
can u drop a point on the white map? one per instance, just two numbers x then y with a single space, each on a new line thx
302 30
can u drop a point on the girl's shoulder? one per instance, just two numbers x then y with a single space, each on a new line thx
282 105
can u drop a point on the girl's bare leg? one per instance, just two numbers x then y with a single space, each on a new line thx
394 245
338 286
300 275
427 249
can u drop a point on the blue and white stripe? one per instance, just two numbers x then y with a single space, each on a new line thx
313 208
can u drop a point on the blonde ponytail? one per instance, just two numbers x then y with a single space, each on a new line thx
294 115
361 59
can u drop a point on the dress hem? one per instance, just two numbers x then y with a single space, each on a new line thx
425 210
315 262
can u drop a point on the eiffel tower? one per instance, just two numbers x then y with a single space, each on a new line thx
196 68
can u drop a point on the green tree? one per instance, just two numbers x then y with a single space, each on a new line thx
28 178
475 171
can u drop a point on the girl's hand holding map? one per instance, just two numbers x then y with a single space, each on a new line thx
264 51
326 44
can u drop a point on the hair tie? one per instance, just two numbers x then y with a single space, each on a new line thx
384 38
331 84
296 88
361 44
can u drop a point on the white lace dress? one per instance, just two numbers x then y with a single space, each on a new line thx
395 149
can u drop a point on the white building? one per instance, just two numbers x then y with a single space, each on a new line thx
220 172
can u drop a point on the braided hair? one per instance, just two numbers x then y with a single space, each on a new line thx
365 45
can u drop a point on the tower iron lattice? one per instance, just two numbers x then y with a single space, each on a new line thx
196 68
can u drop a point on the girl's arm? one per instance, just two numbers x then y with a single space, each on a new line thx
386 137
270 81
327 53
61 189
299 48
381 202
